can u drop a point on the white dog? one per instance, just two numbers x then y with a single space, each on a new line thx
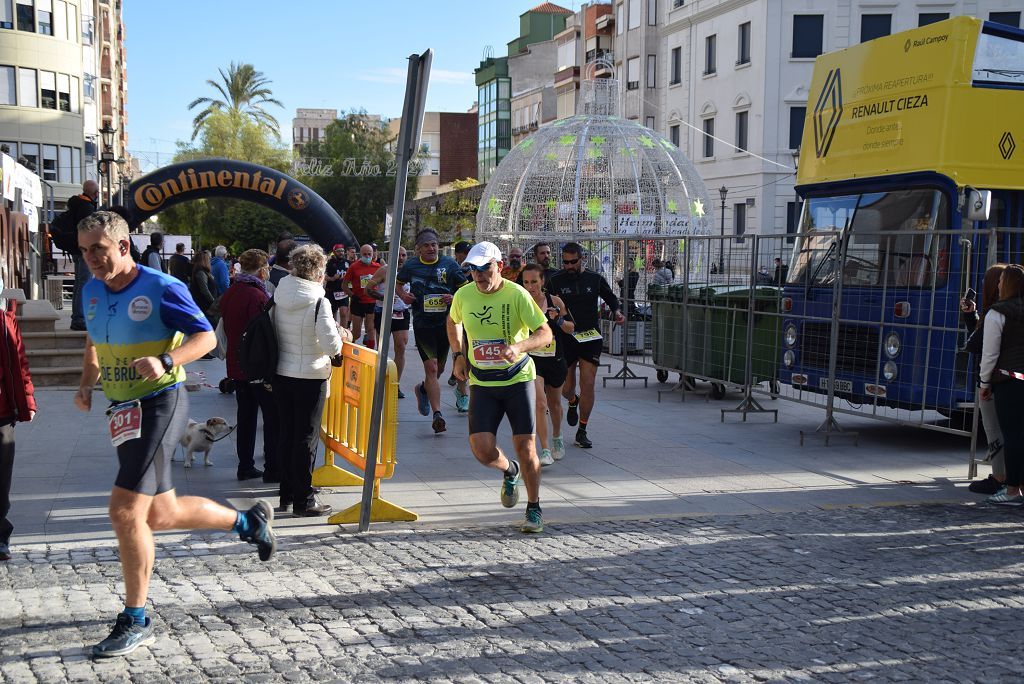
201 436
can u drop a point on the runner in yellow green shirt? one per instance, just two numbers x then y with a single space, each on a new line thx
492 327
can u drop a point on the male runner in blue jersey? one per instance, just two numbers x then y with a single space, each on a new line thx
143 327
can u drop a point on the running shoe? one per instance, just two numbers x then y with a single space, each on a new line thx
125 638
262 535
545 457
582 441
572 416
534 522
451 380
461 401
5 552
438 424
423 403
510 488
557 448
1004 498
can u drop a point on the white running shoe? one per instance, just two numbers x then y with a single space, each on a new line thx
558 448
545 457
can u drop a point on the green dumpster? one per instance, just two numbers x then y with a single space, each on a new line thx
726 333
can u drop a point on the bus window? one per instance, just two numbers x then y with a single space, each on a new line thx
873 259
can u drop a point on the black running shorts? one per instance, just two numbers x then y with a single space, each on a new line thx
336 303
362 309
146 461
575 351
553 370
488 405
432 343
397 324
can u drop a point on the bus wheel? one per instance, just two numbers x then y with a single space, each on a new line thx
717 390
662 376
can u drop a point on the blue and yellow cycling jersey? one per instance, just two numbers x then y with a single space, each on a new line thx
429 283
149 317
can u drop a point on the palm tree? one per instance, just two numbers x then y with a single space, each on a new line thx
244 91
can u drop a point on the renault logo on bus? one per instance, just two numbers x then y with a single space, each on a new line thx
827 113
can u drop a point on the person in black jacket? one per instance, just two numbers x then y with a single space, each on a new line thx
178 264
201 286
1002 377
580 290
81 206
975 341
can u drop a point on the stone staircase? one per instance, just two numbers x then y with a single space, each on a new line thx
54 355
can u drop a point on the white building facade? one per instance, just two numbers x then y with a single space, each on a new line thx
739 70
62 78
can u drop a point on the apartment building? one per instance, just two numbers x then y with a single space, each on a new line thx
63 78
727 80
447 149
310 125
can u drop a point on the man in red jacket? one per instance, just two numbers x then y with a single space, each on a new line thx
354 282
241 303
17 404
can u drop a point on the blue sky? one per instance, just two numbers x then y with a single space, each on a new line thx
340 54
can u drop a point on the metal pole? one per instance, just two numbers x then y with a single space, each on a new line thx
721 243
408 141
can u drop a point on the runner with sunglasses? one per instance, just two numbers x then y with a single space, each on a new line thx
433 279
499 323
580 290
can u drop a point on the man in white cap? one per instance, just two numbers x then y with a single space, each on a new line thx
500 323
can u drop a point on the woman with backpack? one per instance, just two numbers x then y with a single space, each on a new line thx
307 338
201 286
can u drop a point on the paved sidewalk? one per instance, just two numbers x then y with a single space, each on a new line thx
927 594
650 459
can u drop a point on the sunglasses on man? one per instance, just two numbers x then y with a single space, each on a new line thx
479 269
571 262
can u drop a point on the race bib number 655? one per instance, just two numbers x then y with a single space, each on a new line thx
434 304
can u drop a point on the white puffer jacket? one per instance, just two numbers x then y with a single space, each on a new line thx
304 345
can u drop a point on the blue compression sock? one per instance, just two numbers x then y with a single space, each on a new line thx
243 525
138 615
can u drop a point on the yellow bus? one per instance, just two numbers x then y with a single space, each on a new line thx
911 153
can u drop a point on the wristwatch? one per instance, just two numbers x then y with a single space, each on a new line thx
456 355
167 361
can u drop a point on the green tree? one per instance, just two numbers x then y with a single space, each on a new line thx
245 91
232 135
362 182
455 218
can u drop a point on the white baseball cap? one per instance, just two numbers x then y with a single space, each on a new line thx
482 254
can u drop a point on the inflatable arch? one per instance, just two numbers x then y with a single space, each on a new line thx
203 178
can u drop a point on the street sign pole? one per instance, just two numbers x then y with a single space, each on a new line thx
408 143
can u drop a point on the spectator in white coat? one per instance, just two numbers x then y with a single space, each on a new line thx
307 338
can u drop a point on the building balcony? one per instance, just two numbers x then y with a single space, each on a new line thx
602 54
604 21
567 75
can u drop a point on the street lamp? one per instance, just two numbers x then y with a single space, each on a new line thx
796 206
722 191
107 156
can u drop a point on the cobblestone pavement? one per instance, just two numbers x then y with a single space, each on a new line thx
905 593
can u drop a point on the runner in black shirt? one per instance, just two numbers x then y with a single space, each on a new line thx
580 290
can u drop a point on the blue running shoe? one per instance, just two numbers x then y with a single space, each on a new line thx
423 403
510 488
125 638
262 535
461 401
534 522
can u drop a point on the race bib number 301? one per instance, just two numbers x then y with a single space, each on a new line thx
125 422
434 304
488 354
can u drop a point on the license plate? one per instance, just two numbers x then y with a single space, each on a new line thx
839 385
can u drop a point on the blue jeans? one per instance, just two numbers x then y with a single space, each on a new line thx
82 275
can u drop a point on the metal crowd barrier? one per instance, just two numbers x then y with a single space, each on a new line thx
876 333
345 428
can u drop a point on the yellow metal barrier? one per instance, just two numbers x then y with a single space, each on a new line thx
345 431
